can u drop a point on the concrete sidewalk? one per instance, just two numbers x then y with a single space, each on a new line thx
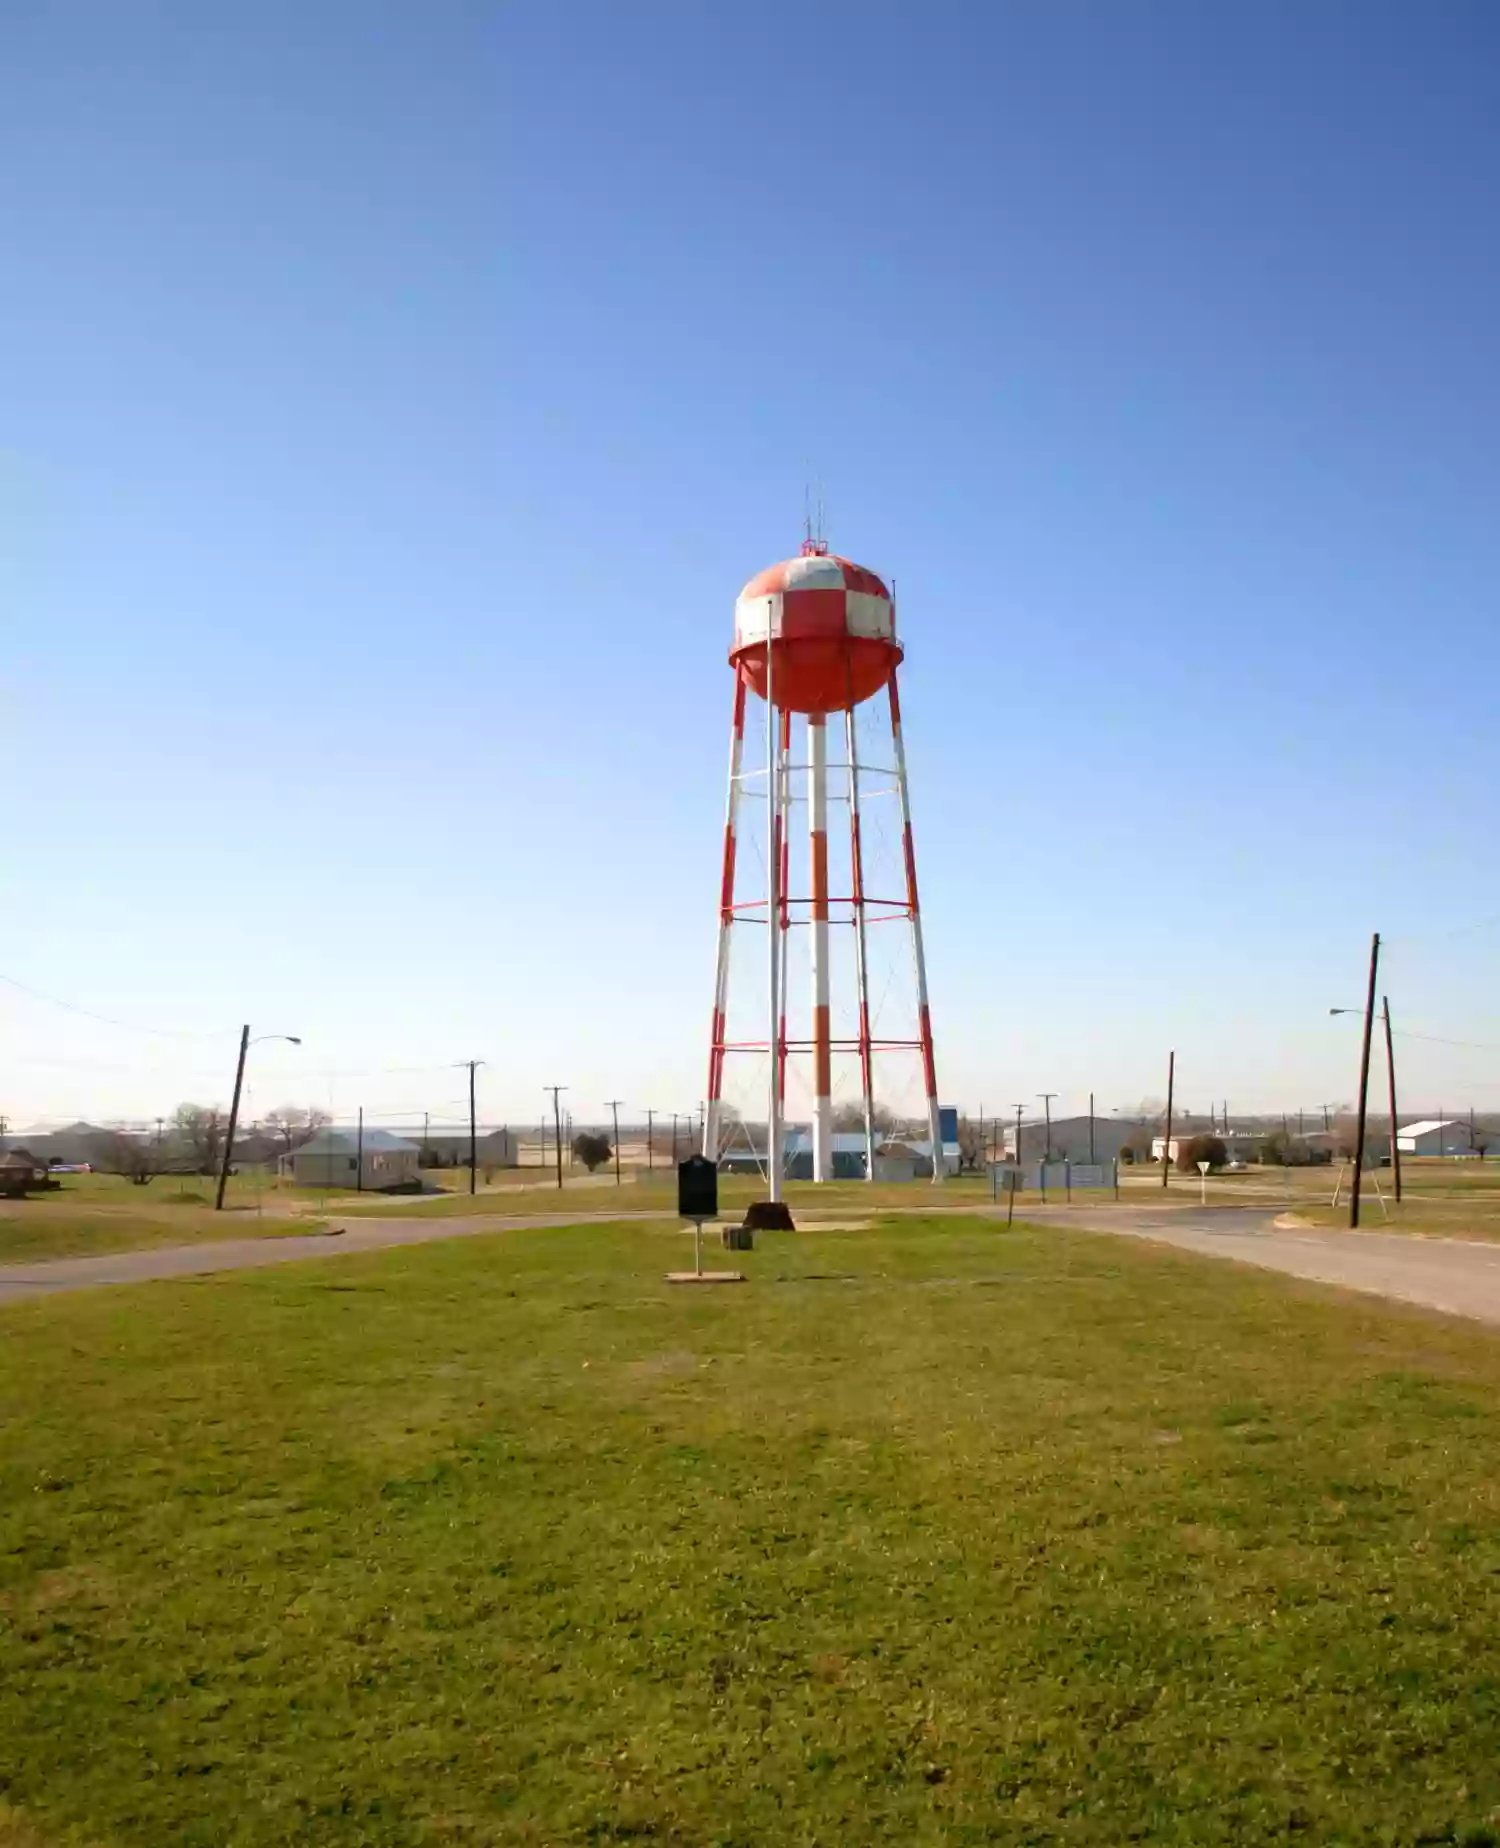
1456 1276
20 1281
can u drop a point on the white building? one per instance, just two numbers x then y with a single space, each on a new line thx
1072 1139
344 1158
1435 1136
1236 1147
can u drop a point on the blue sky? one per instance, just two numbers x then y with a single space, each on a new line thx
396 398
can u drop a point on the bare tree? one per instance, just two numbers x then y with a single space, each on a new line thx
138 1158
199 1132
294 1125
849 1119
971 1147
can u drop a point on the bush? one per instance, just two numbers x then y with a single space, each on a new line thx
1201 1148
592 1151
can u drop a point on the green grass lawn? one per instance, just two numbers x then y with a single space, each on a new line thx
934 1534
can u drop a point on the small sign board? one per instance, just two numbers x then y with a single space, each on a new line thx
697 1188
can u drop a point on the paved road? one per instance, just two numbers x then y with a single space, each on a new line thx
1458 1276
1453 1275
19 1281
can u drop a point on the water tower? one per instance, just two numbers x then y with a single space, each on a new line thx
815 637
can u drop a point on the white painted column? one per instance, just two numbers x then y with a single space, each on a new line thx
861 962
817 829
924 1012
773 918
726 921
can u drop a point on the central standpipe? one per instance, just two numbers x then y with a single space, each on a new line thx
861 960
773 913
817 829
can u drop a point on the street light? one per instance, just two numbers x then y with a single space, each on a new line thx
234 1108
1390 1076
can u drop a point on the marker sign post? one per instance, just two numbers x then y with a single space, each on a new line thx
698 1199
1203 1168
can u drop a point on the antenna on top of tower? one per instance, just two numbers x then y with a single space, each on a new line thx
814 533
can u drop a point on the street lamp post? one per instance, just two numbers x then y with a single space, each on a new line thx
556 1090
1390 1084
234 1107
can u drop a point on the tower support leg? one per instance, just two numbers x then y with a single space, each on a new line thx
924 1012
817 805
726 920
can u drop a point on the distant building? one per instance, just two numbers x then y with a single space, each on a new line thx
449 1148
1436 1136
1071 1140
72 1146
343 1158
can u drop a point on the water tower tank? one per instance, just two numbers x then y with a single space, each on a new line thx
832 625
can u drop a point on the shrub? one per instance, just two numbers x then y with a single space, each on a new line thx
1201 1148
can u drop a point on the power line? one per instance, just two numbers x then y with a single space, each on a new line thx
108 1020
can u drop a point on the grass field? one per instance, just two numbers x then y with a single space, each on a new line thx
932 1534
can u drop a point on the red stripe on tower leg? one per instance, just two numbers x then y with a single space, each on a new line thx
726 889
929 1065
895 703
822 1054
739 706
820 875
911 871
716 1057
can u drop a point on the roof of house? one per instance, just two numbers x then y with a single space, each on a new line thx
1429 1124
347 1142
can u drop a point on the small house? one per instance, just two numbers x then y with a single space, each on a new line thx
21 1173
372 1162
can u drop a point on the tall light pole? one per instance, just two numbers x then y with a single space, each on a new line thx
473 1133
650 1145
1364 1082
234 1108
1390 1085
1047 1097
1019 1109
1166 1144
614 1110
556 1089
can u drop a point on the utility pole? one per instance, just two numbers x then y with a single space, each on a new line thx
555 1089
1390 1075
359 1153
234 1117
1047 1097
614 1108
650 1150
674 1138
1327 1119
1166 1145
1091 1128
1364 1082
473 1133
1019 1109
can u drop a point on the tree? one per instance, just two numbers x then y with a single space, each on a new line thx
199 1133
849 1119
1276 1149
1202 1147
293 1125
971 1146
593 1151
138 1158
